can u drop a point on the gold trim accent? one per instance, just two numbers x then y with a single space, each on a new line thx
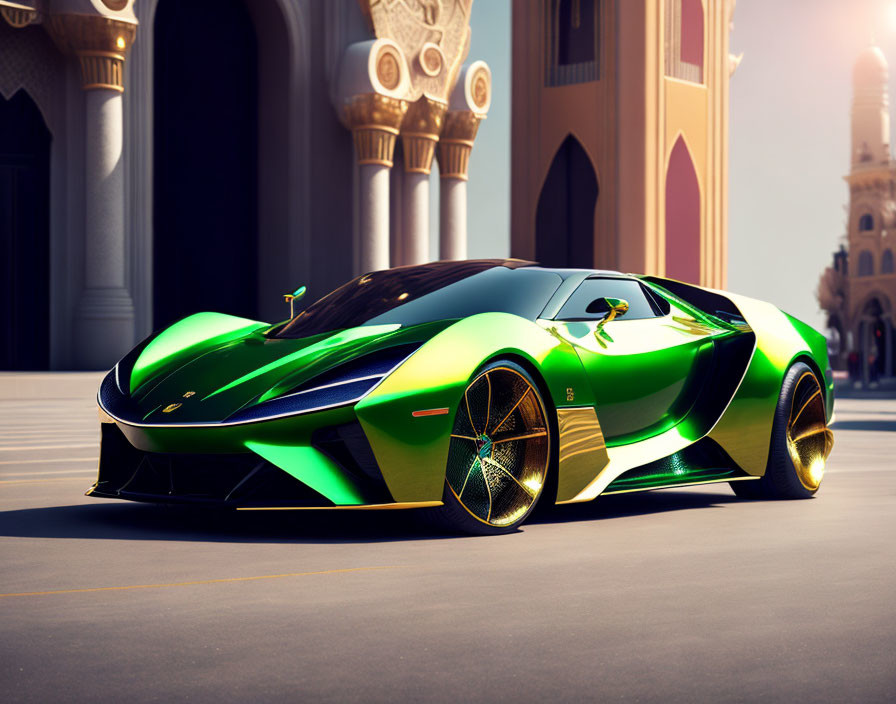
456 143
19 17
171 407
362 507
99 43
420 133
374 121
582 452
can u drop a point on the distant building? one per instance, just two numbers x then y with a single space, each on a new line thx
164 157
620 135
859 289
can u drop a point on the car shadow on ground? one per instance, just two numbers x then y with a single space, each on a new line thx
116 520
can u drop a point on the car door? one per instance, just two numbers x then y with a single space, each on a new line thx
646 367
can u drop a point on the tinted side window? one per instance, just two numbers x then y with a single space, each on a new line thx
591 289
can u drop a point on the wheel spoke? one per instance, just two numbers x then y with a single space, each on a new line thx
469 472
804 406
817 430
515 406
488 405
505 471
469 414
537 434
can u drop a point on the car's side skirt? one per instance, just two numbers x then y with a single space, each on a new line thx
361 507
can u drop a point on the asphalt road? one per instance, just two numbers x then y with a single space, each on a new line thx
686 595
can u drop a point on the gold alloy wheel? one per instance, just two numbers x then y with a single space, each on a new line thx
498 457
809 440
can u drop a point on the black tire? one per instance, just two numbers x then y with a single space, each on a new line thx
800 442
499 453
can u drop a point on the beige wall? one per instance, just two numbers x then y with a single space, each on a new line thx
628 122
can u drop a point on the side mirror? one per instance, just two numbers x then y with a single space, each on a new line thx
291 298
613 307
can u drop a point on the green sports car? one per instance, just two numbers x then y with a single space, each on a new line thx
471 390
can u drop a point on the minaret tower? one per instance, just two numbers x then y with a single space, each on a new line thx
870 109
866 268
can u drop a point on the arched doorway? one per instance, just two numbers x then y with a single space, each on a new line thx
24 234
682 216
205 160
875 341
564 219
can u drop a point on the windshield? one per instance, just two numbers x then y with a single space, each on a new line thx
420 294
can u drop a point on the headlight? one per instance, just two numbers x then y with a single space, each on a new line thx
345 384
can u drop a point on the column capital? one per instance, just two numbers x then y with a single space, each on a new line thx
420 133
99 42
456 143
374 120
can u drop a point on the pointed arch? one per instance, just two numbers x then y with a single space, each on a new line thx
206 160
564 218
683 221
24 234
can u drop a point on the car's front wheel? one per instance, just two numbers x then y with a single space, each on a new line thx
499 452
801 441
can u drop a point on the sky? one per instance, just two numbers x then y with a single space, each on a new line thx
789 139
488 190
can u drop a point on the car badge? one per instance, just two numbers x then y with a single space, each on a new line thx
171 407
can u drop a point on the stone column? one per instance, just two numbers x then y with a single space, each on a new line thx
454 160
374 121
469 104
419 136
104 319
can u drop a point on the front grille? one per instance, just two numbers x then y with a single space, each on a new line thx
234 480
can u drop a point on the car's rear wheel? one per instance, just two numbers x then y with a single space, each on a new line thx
801 441
499 452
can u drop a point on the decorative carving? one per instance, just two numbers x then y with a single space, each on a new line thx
481 86
425 29
18 17
100 43
388 70
420 133
432 61
374 121
456 143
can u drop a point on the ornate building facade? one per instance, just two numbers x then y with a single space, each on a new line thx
162 157
620 135
858 291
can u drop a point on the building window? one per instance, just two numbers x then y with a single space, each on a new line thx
886 263
866 264
866 223
572 44
684 40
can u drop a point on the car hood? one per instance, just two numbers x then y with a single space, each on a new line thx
210 379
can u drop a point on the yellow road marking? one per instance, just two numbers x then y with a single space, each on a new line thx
197 582
52 460
57 479
22 448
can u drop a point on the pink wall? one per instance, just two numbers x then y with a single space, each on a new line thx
682 217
